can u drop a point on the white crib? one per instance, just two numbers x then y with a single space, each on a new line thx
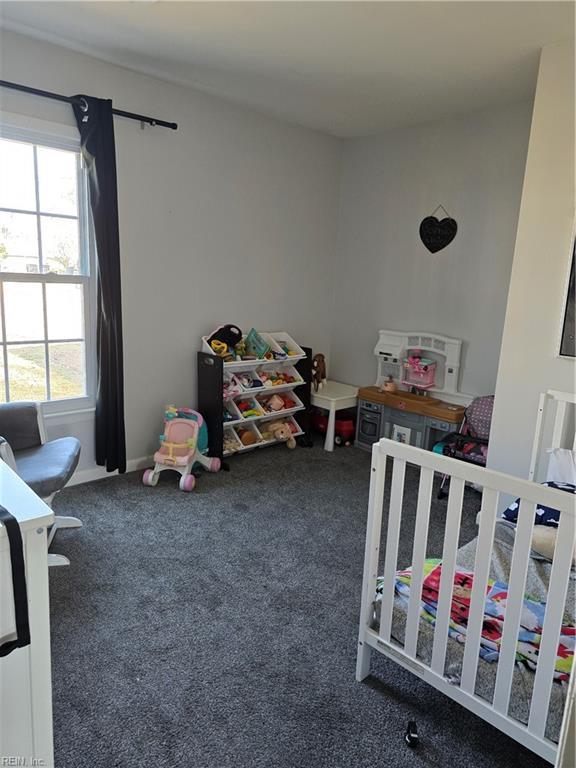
532 734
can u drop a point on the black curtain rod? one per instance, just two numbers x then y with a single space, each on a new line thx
71 100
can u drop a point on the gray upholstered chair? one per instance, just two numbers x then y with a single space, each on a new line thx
45 466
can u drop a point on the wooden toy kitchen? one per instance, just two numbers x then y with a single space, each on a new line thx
416 371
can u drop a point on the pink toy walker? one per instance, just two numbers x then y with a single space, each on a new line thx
179 448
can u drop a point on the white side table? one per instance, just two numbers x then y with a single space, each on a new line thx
334 397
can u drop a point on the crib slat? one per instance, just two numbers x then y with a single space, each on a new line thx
559 424
557 589
418 555
514 605
482 560
535 458
374 525
371 556
449 554
392 538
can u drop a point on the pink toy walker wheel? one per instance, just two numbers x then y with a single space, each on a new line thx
187 483
149 477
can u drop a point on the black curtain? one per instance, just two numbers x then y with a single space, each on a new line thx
95 123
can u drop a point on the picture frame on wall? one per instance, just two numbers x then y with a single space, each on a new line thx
567 340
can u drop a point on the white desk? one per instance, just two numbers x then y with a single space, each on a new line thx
334 397
25 679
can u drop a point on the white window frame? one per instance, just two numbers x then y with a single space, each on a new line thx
39 132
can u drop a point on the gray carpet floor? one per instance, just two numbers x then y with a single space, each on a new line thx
218 628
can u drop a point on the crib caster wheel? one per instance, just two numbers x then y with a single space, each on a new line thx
411 737
149 477
214 464
187 483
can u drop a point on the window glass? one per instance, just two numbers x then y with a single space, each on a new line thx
27 372
44 277
60 252
57 181
64 311
17 188
23 311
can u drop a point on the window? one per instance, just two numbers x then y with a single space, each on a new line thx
45 284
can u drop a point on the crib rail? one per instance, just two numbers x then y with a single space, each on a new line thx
560 408
493 484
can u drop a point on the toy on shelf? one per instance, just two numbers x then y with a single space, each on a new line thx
277 402
318 371
231 443
272 378
230 412
248 436
223 340
281 430
249 380
388 385
231 386
419 372
249 408
184 431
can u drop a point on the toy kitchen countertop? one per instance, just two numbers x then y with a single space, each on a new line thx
406 401
413 419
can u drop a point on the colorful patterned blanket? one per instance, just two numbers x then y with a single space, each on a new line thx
531 621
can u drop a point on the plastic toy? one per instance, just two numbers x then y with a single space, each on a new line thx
419 372
388 385
180 449
249 408
276 378
344 429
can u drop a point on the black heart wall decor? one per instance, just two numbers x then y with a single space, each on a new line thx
437 233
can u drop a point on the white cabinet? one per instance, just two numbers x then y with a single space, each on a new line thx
25 675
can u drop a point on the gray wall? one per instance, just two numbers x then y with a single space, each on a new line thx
385 278
232 218
529 362
236 217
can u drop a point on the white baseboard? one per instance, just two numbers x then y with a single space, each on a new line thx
99 473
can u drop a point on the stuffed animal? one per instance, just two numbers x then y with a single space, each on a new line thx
283 432
318 371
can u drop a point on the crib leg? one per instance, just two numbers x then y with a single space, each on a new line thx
363 661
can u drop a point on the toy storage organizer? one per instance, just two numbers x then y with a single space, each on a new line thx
235 400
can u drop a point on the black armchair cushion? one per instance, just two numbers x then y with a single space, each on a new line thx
47 468
19 425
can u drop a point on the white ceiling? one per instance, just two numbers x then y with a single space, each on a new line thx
347 68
